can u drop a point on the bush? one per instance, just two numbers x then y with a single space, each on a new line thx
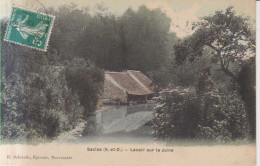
217 116
50 107
178 116
12 124
44 102
226 115
86 81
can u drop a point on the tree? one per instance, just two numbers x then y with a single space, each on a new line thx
69 24
136 40
146 35
232 43
99 42
39 97
229 36
86 80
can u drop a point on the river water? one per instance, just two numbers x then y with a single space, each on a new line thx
123 118
117 124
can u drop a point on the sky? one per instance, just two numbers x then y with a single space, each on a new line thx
181 12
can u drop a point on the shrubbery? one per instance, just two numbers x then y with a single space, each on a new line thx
216 116
49 106
44 103
225 115
86 81
39 99
12 125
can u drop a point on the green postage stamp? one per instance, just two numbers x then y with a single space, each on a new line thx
29 28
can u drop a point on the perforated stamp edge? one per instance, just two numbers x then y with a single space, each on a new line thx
48 35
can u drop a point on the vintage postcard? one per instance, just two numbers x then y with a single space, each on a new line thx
128 83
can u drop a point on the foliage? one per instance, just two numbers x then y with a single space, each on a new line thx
12 86
247 82
146 33
227 35
231 41
85 80
44 94
50 107
177 117
184 75
225 115
38 101
42 106
12 97
69 25
221 117
160 77
136 40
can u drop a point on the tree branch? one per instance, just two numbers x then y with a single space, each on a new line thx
214 48
223 67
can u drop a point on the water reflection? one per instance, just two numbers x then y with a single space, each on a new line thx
123 118
117 123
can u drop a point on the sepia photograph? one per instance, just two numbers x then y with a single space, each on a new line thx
155 82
